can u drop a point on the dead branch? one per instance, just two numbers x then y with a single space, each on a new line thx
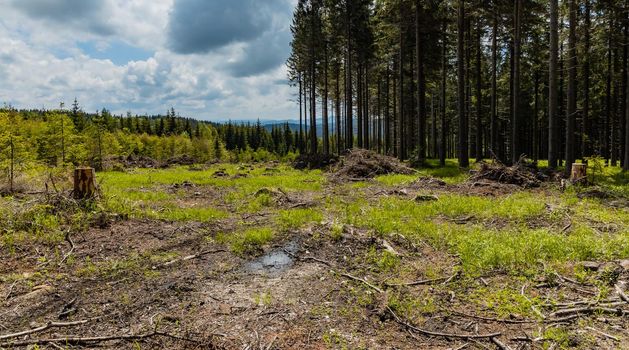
491 319
362 281
417 283
621 293
500 344
69 240
189 257
440 334
609 336
315 259
42 328
84 340
588 310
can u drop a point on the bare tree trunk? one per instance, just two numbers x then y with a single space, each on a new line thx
326 136
402 138
337 107
625 164
479 96
518 127
63 141
444 66
421 88
572 91
535 119
349 128
608 94
387 115
553 136
366 107
12 165
463 122
301 132
585 127
493 128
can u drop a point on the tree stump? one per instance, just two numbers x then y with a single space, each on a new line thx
578 173
84 183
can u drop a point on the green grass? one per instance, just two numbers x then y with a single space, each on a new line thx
514 247
297 218
248 241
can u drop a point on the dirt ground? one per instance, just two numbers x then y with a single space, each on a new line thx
153 284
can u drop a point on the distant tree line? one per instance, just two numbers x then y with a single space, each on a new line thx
58 137
279 140
479 78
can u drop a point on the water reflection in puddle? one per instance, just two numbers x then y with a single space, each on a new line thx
275 261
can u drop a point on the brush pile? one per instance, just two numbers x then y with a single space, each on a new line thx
520 174
361 164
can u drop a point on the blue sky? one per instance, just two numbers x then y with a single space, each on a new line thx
209 59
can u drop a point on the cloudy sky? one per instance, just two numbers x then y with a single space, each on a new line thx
209 59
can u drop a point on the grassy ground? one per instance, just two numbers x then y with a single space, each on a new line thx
269 250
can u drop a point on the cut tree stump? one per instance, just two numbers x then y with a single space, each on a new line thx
578 173
84 183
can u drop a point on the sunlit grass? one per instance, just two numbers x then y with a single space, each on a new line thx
247 241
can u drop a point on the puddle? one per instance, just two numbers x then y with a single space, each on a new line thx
275 261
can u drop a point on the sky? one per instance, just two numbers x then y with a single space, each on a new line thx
209 59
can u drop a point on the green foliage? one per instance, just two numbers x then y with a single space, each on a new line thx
297 218
248 241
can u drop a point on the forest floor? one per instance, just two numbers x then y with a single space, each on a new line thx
267 257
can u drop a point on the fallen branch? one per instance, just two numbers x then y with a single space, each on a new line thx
189 257
499 344
315 259
588 310
493 319
42 328
609 336
84 340
440 334
417 283
621 293
362 281
69 240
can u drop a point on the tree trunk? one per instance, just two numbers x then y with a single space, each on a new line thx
401 124
585 127
463 122
518 127
625 164
444 66
326 136
535 142
553 137
387 115
493 128
349 128
421 88
608 91
11 165
84 183
479 96
572 91
301 132
337 108
578 173
366 107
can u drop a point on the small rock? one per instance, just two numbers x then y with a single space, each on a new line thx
590 265
624 264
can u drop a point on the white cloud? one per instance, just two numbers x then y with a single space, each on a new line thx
42 64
